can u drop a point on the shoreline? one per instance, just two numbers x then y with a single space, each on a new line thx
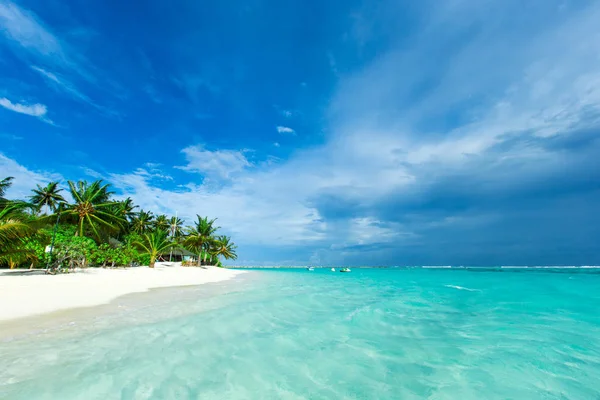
24 296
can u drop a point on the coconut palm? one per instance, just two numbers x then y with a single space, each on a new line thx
154 243
48 196
161 223
175 230
222 246
199 237
142 222
92 209
126 207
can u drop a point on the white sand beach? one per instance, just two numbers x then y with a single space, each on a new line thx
29 294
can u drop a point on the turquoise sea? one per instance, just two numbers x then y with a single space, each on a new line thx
295 334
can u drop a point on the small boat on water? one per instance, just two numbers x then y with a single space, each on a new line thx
310 268
332 269
345 270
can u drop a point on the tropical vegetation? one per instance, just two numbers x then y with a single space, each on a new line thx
86 225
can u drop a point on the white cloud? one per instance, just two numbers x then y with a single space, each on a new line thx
93 173
33 41
34 110
378 152
251 217
285 129
25 179
23 27
48 75
218 164
153 173
62 84
276 144
546 82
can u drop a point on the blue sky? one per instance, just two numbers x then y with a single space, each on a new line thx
340 132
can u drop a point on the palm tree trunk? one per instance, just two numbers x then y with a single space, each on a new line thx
152 260
199 259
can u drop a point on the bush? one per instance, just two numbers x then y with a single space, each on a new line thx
74 253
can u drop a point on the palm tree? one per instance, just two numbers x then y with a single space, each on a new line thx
48 195
92 208
199 237
142 222
4 185
175 227
223 246
126 207
153 244
14 229
161 223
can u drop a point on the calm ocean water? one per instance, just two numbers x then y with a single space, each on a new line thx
295 334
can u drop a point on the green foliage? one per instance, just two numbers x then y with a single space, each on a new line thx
175 227
107 255
142 222
96 230
74 253
16 228
93 210
224 247
198 238
36 245
48 196
153 244
4 185
161 223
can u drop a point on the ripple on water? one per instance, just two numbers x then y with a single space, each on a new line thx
296 335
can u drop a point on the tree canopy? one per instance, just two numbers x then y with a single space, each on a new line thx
90 226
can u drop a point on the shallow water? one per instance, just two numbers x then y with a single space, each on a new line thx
370 334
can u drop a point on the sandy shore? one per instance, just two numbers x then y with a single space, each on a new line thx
29 295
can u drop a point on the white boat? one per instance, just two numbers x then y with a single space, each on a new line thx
332 269
345 270
310 268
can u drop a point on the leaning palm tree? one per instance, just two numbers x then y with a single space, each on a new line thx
142 222
92 209
48 196
199 237
153 244
222 246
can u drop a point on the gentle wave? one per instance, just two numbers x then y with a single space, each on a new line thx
462 288
293 334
